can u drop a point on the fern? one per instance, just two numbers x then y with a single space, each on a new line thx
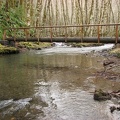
13 17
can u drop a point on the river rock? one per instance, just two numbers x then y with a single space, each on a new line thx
113 108
99 95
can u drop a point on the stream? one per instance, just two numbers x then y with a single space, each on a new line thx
54 84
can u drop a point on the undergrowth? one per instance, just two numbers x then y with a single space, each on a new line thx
11 17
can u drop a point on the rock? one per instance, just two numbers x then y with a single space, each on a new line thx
113 108
107 62
99 95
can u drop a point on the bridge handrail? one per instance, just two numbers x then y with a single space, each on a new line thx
65 26
62 26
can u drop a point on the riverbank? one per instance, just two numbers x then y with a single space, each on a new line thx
110 72
8 50
111 64
23 46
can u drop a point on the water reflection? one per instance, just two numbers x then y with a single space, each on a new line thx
15 81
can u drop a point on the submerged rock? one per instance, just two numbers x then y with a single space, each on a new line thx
101 96
5 103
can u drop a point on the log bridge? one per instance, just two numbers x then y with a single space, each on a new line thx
40 34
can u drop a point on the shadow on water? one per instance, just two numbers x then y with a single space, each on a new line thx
51 87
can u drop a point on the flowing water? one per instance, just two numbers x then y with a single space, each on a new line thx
53 84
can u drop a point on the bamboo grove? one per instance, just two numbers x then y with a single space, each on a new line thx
66 12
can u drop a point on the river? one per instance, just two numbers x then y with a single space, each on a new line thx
53 84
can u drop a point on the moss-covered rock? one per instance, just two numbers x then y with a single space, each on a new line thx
34 45
8 50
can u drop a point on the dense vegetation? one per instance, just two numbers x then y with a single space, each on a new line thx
17 13
11 15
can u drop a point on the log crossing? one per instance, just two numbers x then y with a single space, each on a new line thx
40 34
69 39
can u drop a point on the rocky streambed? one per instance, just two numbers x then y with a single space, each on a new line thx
110 72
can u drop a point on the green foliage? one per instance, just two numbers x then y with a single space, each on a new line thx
13 17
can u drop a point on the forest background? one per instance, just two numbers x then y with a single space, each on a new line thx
21 13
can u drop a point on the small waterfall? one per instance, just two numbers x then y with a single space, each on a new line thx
59 44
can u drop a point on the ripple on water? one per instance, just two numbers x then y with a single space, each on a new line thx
9 107
69 105
5 103
58 94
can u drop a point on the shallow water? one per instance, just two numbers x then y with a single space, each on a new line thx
53 84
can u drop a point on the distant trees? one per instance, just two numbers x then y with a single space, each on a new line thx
67 11
62 12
